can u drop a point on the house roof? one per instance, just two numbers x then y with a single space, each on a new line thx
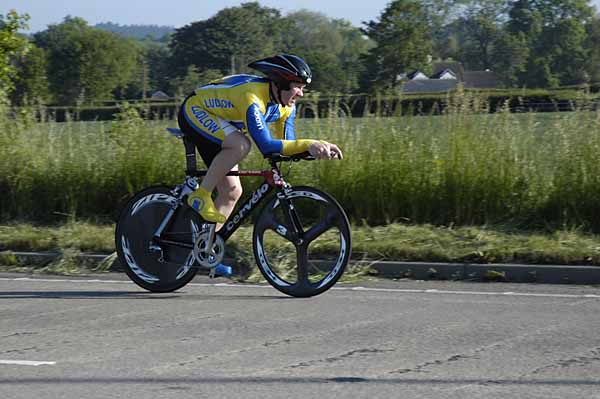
471 79
480 79
159 95
415 75
456 67
441 73
429 85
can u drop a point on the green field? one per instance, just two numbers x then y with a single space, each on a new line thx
529 171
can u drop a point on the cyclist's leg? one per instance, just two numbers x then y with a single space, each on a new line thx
229 192
229 188
235 147
227 147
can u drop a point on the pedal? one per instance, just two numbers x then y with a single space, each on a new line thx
220 270
154 248
157 249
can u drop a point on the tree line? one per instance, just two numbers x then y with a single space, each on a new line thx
527 43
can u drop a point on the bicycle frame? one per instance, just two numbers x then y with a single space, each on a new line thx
272 180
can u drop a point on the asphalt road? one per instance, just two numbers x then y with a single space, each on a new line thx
407 339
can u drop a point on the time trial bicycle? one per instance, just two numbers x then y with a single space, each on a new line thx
301 237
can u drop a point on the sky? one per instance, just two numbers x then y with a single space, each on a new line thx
175 13
179 12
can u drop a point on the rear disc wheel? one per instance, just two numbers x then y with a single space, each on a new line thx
144 263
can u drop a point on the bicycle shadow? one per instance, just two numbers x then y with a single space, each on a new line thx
74 294
129 295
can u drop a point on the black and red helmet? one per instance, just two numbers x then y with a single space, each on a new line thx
284 69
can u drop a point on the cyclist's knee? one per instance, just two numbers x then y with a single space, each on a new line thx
237 142
243 146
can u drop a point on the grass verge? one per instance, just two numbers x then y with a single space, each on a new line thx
392 242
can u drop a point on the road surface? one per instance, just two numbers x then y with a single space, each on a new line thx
86 338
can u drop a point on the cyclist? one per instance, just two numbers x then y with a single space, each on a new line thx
217 116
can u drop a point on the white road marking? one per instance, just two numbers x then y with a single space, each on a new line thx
391 290
27 363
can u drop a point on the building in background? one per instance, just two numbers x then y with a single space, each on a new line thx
447 76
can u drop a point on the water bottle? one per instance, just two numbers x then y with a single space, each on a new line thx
191 185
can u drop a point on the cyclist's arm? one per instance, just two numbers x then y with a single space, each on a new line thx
258 129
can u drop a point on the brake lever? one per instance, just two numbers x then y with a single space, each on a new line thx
333 155
301 157
305 158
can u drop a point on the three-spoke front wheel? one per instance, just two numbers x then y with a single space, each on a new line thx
302 242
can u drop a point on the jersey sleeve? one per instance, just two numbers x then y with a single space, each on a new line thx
259 131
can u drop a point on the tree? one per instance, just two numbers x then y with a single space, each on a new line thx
592 66
228 41
308 31
355 46
11 43
193 79
235 36
30 83
509 58
442 17
157 59
140 32
403 42
555 32
84 62
480 28
331 47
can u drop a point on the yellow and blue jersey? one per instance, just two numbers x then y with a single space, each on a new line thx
244 102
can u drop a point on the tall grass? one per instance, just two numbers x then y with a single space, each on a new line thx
55 170
463 167
468 167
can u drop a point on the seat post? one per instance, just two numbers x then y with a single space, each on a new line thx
190 156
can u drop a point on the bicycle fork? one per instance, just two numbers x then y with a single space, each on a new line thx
296 236
297 233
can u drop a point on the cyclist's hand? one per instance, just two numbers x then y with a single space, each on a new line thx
324 150
335 152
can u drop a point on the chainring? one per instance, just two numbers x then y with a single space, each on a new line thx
205 257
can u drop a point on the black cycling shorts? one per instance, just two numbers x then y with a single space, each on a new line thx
207 149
